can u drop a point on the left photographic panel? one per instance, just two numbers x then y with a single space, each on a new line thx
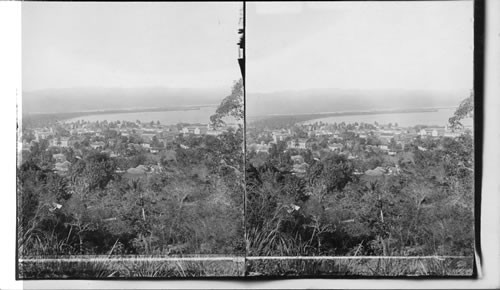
130 141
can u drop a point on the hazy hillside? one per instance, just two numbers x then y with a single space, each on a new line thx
88 99
334 100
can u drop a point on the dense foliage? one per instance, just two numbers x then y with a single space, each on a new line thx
426 208
192 201
188 201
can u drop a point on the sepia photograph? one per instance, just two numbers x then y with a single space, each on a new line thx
360 139
130 141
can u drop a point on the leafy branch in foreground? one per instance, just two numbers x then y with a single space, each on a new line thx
465 110
231 106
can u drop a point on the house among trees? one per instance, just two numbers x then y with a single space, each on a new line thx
299 166
59 157
433 132
139 170
194 130
323 132
62 142
62 168
155 150
148 136
124 132
448 132
379 171
42 134
451 134
383 147
297 159
214 131
25 146
278 136
261 148
300 144
98 145
336 147
300 170
386 137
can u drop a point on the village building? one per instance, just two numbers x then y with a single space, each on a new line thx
98 145
42 134
386 137
214 132
299 166
148 136
383 147
323 132
451 134
336 147
300 170
262 148
62 167
141 169
278 136
25 146
433 132
62 142
297 159
421 148
194 130
379 171
59 157
300 144
155 150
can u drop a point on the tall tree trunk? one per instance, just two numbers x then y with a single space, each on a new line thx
81 243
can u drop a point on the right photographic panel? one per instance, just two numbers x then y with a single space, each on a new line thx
359 139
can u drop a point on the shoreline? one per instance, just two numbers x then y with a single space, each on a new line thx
312 116
122 111
280 121
65 116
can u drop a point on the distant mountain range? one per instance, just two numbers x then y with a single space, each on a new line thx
93 99
338 100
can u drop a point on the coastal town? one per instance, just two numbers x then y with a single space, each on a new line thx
354 141
118 139
123 138
342 184
338 141
133 187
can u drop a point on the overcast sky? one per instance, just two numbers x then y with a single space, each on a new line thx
359 45
92 44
